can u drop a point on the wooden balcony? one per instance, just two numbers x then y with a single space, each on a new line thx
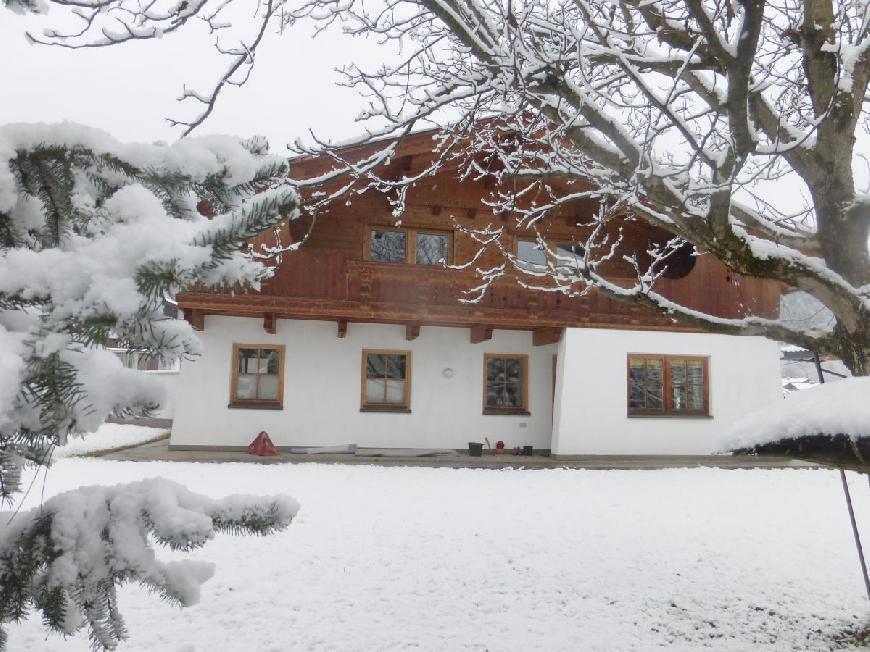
331 287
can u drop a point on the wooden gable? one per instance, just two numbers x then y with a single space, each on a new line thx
331 276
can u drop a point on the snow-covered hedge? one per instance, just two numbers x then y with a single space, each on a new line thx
841 408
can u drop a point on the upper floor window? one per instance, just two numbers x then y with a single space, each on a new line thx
413 246
257 379
564 256
386 382
505 384
668 385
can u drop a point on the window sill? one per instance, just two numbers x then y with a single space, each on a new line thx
399 409
671 415
255 406
519 412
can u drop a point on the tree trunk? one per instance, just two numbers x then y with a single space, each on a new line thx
853 348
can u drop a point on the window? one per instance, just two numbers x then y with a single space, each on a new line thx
667 385
386 382
505 384
565 257
258 379
388 246
412 246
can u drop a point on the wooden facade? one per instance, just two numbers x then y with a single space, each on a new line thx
331 277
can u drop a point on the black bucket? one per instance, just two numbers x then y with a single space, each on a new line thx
475 449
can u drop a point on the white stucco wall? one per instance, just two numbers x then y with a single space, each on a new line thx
322 389
591 388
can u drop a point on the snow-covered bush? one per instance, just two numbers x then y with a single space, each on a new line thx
67 557
93 235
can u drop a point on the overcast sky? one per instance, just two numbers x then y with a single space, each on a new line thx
129 90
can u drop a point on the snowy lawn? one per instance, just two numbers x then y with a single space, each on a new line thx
442 559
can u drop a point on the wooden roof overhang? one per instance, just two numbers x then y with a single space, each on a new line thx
328 285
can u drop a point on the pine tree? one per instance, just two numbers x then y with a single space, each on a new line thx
94 235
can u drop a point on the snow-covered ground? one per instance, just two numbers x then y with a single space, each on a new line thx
443 559
107 436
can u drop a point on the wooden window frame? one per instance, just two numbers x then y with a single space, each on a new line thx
522 410
255 403
667 394
552 244
405 406
410 244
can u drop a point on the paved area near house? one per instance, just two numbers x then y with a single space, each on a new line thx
159 451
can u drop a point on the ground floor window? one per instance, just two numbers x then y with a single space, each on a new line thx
668 385
505 386
258 376
386 380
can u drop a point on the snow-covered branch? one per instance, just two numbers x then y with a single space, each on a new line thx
67 558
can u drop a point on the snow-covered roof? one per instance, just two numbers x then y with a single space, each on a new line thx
841 408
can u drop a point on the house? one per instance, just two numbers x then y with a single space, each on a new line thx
361 336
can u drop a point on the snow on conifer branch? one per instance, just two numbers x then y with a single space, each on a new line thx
67 558
94 234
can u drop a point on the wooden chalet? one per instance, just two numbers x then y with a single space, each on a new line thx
366 335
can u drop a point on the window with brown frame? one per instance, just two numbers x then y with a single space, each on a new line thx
411 246
668 385
534 256
258 376
386 381
505 383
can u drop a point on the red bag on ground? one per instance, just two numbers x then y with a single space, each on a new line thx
262 446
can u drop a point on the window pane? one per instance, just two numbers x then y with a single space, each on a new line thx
395 366
636 395
655 389
678 397
569 257
268 361
514 369
246 387
268 388
495 369
494 395
432 248
514 395
375 390
248 361
637 383
530 253
654 372
696 372
389 246
375 365
696 398
395 391
678 372
654 398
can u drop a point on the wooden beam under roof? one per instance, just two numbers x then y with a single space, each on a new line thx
544 336
196 318
342 328
480 333
412 331
270 322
